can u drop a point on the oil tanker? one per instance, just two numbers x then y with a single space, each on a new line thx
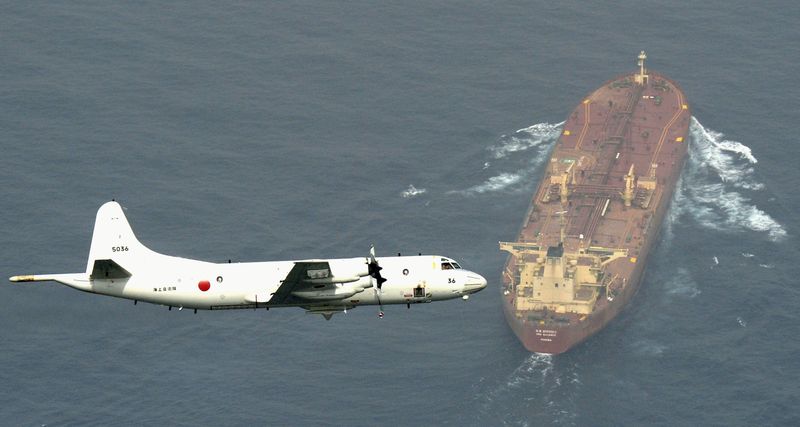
583 246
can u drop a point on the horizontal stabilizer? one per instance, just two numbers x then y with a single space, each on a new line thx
108 269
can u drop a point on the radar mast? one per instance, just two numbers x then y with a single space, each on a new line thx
641 78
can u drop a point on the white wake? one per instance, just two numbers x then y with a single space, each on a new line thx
680 283
538 138
713 189
535 387
523 139
412 191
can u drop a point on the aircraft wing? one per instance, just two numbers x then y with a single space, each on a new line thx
300 278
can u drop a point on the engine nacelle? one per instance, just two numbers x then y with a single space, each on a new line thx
353 267
332 280
334 291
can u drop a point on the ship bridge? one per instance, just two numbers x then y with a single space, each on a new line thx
550 278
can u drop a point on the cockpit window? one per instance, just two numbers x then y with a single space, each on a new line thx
450 265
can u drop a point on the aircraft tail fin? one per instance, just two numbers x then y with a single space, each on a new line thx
113 244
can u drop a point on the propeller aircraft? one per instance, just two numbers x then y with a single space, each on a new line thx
120 266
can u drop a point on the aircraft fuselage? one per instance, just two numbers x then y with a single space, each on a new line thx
120 266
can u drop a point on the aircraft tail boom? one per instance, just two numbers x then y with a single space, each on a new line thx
78 281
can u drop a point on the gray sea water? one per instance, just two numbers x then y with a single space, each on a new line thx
279 130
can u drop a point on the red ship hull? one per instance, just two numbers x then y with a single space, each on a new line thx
610 218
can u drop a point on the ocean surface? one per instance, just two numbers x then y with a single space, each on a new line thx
282 130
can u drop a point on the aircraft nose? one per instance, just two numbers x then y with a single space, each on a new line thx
474 283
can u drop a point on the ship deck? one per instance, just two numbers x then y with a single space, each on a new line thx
601 199
616 126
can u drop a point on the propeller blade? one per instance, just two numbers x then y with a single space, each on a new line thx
374 269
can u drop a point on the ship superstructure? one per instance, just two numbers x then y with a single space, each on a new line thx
584 242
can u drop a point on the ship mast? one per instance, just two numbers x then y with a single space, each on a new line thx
641 78
563 224
627 195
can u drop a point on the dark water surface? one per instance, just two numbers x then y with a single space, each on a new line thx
256 131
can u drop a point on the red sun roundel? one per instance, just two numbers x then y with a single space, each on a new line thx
204 285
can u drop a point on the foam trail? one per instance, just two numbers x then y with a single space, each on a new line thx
412 191
525 138
539 138
711 188
681 284
495 183
731 160
538 387
648 348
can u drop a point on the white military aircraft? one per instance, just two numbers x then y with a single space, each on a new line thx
120 266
